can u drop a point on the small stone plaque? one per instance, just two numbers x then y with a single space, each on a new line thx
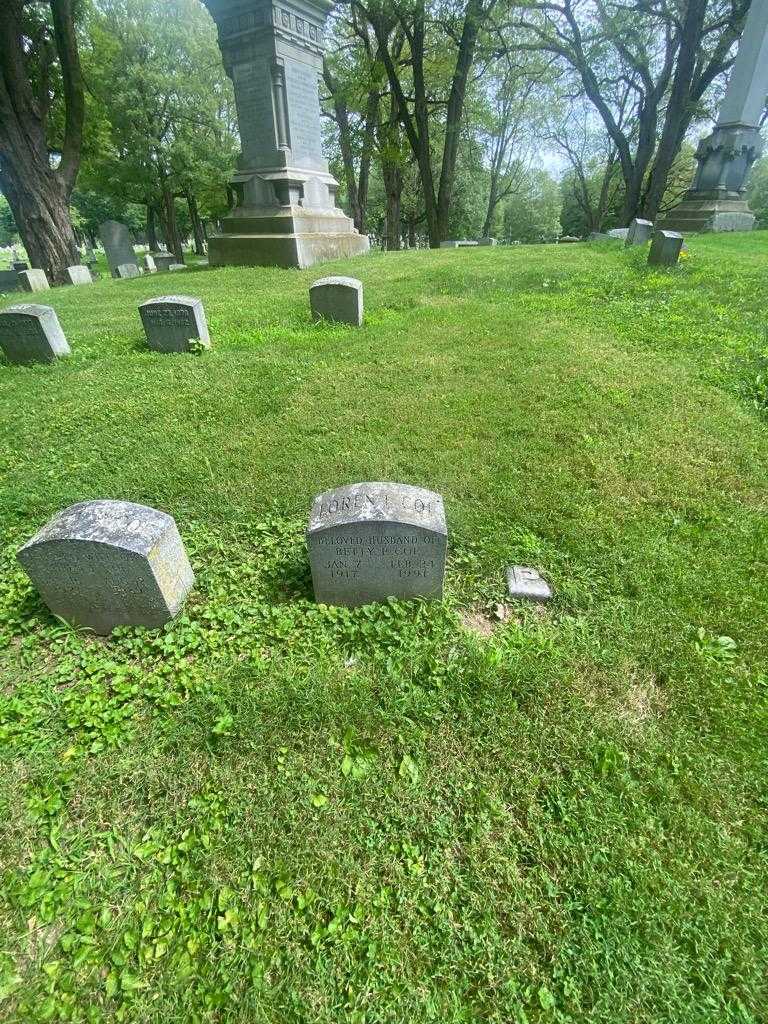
338 299
103 564
149 264
177 266
33 281
127 270
31 334
163 260
79 275
171 321
525 583
371 541
665 248
639 232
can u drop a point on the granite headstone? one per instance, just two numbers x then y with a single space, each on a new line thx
163 260
665 248
371 541
116 240
79 275
102 564
639 232
126 270
172 321
33 281
31 334
9 281
338 299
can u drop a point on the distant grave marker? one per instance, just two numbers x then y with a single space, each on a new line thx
172 321
639 232
149 264
126 270
9 281
33 281
31 334
79 275
665 248
337 299
102 564
371 541
163 260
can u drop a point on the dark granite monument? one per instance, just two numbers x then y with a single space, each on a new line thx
103 564
717 199
337 299
371 541
118 248
665 248
285 211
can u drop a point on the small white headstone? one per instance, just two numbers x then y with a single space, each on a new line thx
79 275
149 264
525 583
33 281
127 270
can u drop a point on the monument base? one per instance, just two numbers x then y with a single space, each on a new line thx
706 213
287 236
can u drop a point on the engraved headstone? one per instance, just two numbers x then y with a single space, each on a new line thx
79 275
31 334
371 541
665 248
163 260
33 281
127 270
339 299
102 564
150 266
525 583
116 240
639 232
172 321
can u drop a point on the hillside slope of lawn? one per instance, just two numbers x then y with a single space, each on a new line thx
273 811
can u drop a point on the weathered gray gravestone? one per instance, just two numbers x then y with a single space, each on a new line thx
79 275
172 321
665 248
149 264
524 582
487 240
31 334
371 541
177 266
457 243
116 240
103 564
619 233
33 281
338 299
127 270
163 260
639 232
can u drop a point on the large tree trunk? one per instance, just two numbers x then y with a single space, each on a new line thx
168 213
393 185
197 225
152 228
37 193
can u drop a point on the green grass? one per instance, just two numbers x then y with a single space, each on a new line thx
273 811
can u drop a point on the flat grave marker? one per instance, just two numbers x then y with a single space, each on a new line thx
31 334
526 583
371 541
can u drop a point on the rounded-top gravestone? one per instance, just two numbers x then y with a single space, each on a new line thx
338 299
102 564
371 541
31 334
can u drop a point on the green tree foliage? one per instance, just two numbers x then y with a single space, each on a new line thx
532 214
757 192
9 232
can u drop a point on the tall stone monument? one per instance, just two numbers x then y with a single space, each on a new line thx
717 199
285 211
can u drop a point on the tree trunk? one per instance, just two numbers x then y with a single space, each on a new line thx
151 228
393 185
41 211
170 227
197 225
37 193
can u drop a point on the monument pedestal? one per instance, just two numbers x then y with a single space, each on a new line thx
284 212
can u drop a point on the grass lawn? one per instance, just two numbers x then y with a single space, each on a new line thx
274 811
